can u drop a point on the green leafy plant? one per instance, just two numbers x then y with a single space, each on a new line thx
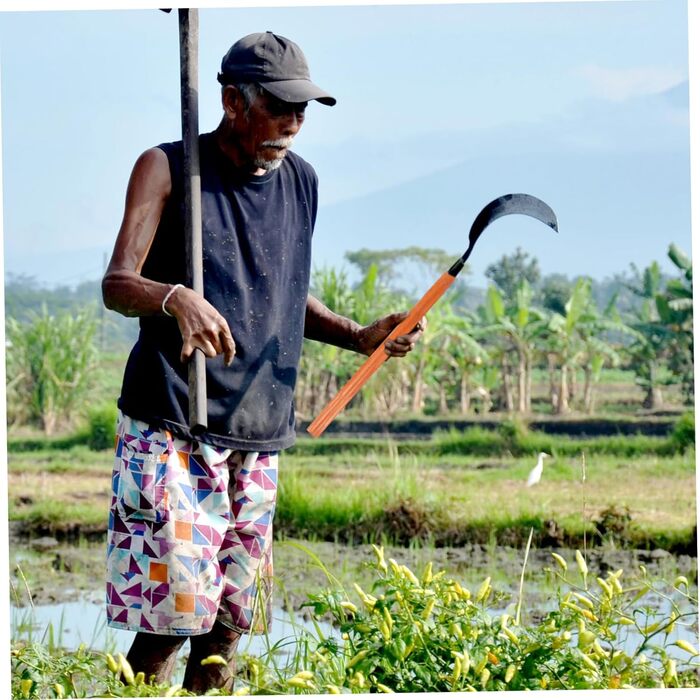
683 435
49 367
429 633
102 423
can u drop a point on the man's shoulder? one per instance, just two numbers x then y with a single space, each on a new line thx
170 147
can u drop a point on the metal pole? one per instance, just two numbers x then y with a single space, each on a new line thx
189 41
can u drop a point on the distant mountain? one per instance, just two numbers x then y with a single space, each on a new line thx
656 123
616 173
613 209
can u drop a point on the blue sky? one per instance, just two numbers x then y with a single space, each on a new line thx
440 109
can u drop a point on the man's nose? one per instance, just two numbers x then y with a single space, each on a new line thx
292 124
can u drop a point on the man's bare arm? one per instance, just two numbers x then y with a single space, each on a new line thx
125 290
324 325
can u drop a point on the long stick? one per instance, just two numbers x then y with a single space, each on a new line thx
379 356
189 93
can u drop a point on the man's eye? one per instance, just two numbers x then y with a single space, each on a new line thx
280 109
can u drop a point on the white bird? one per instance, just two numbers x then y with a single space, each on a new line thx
536 474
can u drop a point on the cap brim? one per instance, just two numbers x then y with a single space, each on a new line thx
298 91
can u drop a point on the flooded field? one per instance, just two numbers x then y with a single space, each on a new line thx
66 590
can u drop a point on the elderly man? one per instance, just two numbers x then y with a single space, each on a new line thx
190 533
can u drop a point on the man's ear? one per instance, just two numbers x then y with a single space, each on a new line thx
231 100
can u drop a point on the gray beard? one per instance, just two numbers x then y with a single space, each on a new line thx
268 164
275 163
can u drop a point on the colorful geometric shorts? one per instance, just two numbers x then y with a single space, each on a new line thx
190 535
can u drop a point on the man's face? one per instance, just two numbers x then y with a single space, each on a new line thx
265 133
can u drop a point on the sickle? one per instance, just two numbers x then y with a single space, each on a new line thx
507 204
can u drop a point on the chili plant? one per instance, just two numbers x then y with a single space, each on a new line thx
414 633
429 633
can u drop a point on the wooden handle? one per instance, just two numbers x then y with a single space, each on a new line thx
378 357
189 43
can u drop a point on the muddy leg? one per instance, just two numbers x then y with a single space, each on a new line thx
155 655
222 641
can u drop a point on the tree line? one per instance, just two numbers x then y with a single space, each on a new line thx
482 357
479 352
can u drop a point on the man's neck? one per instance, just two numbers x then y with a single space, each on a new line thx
229 148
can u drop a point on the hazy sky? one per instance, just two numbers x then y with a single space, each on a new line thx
440 109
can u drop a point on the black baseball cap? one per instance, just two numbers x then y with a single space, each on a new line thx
275 63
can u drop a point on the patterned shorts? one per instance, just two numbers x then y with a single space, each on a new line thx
190 535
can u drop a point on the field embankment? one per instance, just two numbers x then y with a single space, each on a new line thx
656 424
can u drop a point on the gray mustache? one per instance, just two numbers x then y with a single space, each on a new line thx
285 142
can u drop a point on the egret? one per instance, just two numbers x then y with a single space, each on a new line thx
536 474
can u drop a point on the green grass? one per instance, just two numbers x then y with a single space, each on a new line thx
454 488
477 441
456 499
446 499
47 459
47 515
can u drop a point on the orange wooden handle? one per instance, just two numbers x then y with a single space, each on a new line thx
378 357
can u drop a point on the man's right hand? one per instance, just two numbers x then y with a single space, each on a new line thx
201 326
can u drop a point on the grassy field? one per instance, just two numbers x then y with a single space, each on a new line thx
458 499
371 492
450 487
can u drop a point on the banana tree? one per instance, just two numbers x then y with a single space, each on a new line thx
650 349
455 354
427 359
675 309
322 366
565 343
515 330
595 329
51 362
371 300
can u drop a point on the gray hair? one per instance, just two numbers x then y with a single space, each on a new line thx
249 91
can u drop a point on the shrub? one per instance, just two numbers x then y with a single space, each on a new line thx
683 435
514 433
102 423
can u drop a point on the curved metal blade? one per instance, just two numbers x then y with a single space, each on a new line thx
509 204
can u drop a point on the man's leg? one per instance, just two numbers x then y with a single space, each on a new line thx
155 655
220 640
252 502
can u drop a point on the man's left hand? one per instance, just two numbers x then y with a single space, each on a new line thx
370 337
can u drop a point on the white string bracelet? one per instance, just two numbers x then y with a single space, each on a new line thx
171 291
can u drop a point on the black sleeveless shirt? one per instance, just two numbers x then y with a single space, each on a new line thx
256 235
